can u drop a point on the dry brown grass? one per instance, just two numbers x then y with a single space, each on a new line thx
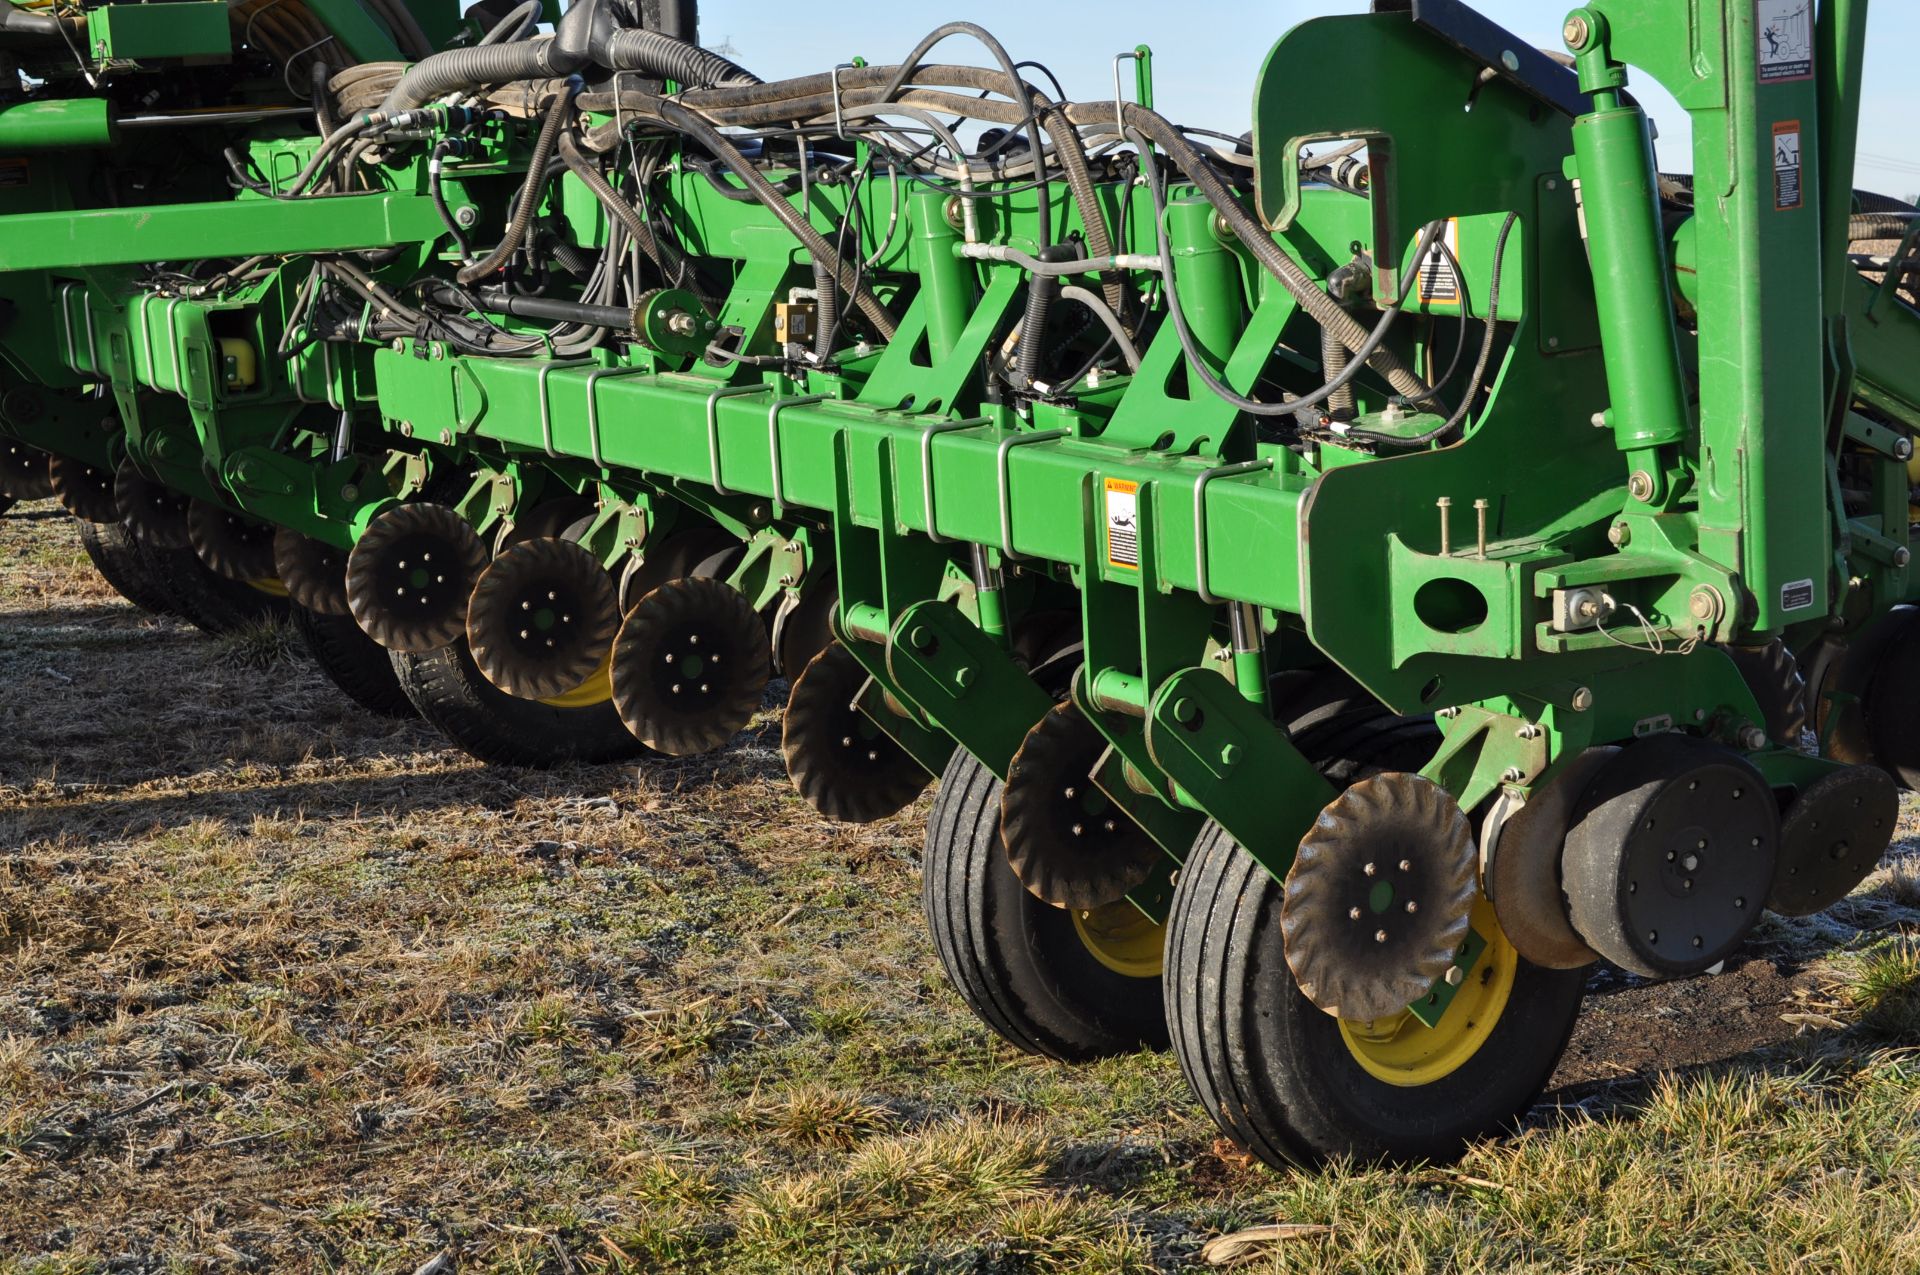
287 988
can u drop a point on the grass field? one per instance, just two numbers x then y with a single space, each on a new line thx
285 987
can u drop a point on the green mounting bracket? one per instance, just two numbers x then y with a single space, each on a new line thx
960 677
1231 760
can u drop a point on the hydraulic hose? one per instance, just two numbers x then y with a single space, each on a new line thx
465 70
662 57
39 25
1322 308
687 122
582 167
557 117
1334 358
586 314
1041 290
1108 319
1073 161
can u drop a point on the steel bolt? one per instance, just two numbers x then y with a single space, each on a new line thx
1753 739
1577 32
1903 449
1901 557
963 677
1455 976
1640 486
1370 869
1412 907
1379 936
1186 712
1512 775
1582 700
1229 754
1619 536
1353 914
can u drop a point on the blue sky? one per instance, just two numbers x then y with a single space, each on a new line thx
1207 53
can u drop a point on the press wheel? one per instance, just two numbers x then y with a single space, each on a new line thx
846 767
480 718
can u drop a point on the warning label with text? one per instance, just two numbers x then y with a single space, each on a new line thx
1786 165
1123 523
1784 29
1439 281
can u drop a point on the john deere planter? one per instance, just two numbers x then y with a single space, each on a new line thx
1346 578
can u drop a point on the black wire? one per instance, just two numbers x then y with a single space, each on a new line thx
1480 369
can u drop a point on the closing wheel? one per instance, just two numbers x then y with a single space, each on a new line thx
846 767
85 491
354 662
477 716
24 472
1051 982
232 545
690 666
542 619
1291 1083
313 571
411 574
154 512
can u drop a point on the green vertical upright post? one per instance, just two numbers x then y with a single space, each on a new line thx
946 279
1843 54
1759 247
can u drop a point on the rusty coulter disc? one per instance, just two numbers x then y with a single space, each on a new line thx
542 618
690 666
411 574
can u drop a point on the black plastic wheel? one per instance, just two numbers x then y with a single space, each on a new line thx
354 662
128 566
1048 981
1285 1081
454 696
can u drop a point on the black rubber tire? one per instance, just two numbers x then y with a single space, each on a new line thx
1274 1071
453 695
128 566
212 603
354 662
1019 964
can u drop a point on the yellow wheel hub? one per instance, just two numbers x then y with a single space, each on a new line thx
597 689
1404 1051
1123 938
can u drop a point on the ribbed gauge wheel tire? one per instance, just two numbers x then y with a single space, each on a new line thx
354 662
211 603
453 695
1019 964
128 566
1276 1073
